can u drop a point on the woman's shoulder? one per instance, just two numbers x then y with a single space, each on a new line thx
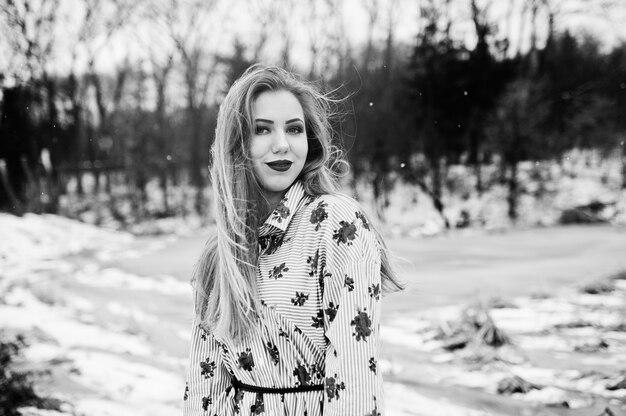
339 218
334 209
336 204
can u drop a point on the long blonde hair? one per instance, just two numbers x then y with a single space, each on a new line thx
224 278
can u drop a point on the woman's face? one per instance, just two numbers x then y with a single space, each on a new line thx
278 145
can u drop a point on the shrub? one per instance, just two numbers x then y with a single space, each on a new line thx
475 326
17 387
598 287
515 384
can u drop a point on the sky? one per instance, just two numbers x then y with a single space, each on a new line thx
240 19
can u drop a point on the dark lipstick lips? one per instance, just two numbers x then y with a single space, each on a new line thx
280 165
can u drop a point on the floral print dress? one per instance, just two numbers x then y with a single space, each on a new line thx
320 287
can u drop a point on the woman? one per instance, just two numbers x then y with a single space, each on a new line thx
288 292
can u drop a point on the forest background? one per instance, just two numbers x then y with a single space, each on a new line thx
108 108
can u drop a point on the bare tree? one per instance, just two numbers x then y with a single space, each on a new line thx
336 54
30 31
393 11
372 8
287 9
105 24
328 43
99 22
315 37
193 29
162 50
265 14
481 58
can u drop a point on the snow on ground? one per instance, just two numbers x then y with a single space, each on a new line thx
403 401
119 372
546 189
96 343
108 366
572 346
116 342
36 237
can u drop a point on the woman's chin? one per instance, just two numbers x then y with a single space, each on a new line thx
279 183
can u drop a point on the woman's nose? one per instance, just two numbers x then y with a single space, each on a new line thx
280 143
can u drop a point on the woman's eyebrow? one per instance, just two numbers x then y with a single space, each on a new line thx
293 119
263 120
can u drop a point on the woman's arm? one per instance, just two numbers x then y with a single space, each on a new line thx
351 301
207 377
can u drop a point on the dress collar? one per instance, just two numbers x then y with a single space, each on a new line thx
278 221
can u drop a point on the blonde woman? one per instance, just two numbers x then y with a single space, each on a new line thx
287 294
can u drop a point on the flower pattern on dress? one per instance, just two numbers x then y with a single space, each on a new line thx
207 368
302 374
300 298
331 311
346 233
273 351
270 243
237 399
319 286
246 361
360 216
362 326
203 334
372 365
282 333
258 407
206 401
318 320
319 214
349 283
333 387
374 291
277 271
281 211
312 262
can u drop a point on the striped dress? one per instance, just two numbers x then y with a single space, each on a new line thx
320 287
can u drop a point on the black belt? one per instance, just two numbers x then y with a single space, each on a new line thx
238 385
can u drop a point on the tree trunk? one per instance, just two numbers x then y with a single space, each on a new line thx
33 188
53 180
163 184
435 193
513 184
197 179
478 173
16 205
474 155
377 189
77 133
436 178
623 144
437 203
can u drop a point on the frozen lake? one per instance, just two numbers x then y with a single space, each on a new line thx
453 268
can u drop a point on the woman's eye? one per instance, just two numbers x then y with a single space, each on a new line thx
261 130
294 130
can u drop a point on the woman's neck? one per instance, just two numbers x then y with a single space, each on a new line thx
271 201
